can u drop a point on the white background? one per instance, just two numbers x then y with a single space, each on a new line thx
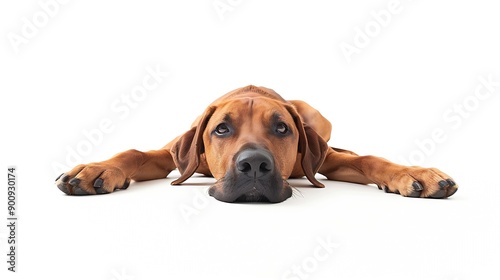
427 59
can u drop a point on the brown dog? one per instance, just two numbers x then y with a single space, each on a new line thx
251 140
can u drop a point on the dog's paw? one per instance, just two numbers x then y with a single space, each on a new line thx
93 178
420 182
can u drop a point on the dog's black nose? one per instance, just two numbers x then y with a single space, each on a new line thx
255 163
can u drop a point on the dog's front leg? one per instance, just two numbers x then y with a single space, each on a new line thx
116 172
413 181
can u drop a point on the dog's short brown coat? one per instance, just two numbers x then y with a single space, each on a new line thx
292 137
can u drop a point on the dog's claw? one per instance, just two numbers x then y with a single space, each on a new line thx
443 184
65 179
74 182
417 186
59 176
417 189
450 182
98 183
98 186
125 186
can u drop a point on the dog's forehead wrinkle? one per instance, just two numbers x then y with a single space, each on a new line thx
254 111
260 109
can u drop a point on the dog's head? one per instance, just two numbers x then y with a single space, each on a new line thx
251 146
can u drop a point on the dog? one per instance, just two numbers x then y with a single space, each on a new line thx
251 141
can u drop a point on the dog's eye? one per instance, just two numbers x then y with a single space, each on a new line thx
282 128
222 129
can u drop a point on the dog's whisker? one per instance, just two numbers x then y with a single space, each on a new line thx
296 192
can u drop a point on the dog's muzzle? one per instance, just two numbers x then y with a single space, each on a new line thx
254 178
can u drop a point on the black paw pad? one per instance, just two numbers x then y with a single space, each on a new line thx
78 191
439 194
63 188
101 191
451 191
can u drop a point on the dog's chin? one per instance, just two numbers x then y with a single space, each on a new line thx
252 196
252 191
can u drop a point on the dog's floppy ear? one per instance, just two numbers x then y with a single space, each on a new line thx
311 146
187 150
